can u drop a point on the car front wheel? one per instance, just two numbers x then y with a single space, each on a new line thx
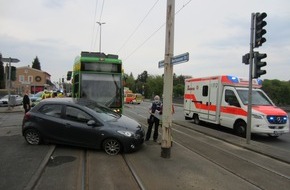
112 146
32 137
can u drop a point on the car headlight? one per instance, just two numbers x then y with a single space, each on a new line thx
126 133
257 116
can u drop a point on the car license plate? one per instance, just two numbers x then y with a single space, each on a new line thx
278 132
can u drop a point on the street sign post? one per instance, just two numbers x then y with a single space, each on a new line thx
176 60
9 60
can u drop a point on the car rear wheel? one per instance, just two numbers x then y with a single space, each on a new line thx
112 146
32 137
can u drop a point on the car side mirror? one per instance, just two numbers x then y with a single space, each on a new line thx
93 123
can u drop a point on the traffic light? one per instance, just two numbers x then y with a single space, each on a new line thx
68 75
246 58
13 73
259 30
258 64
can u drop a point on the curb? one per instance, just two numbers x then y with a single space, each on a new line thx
11 110
34 179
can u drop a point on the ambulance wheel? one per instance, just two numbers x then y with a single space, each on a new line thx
240 128
196 119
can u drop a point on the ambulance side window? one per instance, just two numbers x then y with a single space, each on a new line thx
204 90
231 98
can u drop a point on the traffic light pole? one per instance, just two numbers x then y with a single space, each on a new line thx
9 85
249 116
9 60
256 40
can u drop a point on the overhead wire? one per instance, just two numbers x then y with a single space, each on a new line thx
94 25
138 26
101 14
94 40
159 28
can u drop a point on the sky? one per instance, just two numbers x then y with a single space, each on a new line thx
216 34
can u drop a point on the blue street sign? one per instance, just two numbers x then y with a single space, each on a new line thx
176 60
11 60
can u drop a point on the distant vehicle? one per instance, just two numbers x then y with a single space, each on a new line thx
98 77
81 122
138 98
15 100
131 98
128 98
36 98
223 100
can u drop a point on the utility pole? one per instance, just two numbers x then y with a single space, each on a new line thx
166 142
100 23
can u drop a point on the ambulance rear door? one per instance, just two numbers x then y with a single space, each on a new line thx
209 102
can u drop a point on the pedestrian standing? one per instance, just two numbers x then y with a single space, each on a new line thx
154 110
26 102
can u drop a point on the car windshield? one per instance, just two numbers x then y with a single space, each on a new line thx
258 97
38 94
104 113
5 97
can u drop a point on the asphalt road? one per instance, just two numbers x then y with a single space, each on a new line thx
19 162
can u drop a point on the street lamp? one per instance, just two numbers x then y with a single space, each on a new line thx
100 23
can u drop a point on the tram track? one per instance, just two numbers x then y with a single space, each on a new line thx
257 169
270 168
91 169
234 159
114 172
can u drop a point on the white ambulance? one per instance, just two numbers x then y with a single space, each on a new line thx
223 100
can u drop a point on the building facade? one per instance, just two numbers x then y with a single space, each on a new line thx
31 79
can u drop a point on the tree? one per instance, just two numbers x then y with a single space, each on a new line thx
154 86
36 64
278 91
143 77
129 81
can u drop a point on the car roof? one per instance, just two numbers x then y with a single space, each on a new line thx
68 100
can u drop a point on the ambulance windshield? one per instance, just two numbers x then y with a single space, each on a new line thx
258 97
